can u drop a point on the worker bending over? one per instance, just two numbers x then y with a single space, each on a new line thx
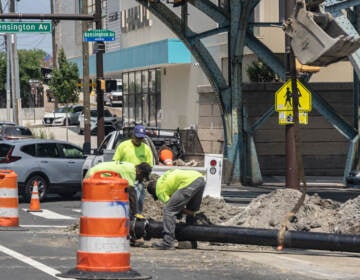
130 172
181 191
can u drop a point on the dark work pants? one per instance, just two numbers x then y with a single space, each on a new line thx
191 197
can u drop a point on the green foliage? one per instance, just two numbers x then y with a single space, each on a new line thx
64 80
259 72
30 62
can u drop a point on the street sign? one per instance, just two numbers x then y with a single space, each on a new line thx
98 35
25 27
287 117
283 97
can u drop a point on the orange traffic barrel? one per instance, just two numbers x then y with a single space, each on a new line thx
9 199
104 249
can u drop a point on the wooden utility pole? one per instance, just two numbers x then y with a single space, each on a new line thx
15 84
99 75
86 89
292 169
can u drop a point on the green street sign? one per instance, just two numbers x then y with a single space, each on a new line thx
25 27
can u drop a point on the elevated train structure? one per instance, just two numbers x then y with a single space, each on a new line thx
322 33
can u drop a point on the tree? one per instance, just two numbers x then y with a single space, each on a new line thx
259 72
63 83
30 62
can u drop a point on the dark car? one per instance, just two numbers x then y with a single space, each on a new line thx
55 165
15 132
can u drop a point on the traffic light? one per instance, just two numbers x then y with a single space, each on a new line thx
101 84
99 47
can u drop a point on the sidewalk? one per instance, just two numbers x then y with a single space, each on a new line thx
69 134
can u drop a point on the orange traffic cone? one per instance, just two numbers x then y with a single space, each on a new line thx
35 202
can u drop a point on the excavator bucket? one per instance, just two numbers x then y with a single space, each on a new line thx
317 39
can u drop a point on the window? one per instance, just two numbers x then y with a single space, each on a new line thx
142 97
47 150
4 149
70 151
29 149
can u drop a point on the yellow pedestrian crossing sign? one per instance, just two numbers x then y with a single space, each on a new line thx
284 100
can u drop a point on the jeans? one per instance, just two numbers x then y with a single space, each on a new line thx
140 196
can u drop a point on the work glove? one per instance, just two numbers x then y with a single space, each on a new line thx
201 218
139 216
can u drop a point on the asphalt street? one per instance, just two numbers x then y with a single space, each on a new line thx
45 244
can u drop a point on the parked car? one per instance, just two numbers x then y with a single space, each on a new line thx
6 123
56 165
59 116
75 112
13 132
111 122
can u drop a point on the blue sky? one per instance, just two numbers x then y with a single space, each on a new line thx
34 40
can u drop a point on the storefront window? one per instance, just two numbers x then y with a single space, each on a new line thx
142 97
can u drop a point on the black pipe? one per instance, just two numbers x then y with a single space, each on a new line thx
238 235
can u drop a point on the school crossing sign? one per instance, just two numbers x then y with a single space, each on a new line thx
284 103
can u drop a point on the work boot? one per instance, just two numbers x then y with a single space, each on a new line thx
136 243
161 245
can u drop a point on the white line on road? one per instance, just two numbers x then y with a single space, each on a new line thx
43 226
47 214
40 266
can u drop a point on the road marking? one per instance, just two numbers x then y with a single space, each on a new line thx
38 265
47 214
43 226
76 210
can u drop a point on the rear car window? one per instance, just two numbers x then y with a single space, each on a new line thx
4 149
17 131
29 149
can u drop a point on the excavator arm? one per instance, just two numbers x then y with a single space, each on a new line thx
316 37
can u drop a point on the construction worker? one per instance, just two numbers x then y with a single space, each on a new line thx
181 191
129 172
135 151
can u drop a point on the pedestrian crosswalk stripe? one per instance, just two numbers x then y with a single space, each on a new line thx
47 214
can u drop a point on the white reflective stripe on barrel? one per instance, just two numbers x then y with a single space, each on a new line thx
109 209
9 212
8 192
104 244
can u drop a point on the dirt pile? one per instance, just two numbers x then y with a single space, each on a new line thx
269 210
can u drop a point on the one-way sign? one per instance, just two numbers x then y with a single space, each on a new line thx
97 35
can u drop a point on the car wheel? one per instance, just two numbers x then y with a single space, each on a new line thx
43 186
